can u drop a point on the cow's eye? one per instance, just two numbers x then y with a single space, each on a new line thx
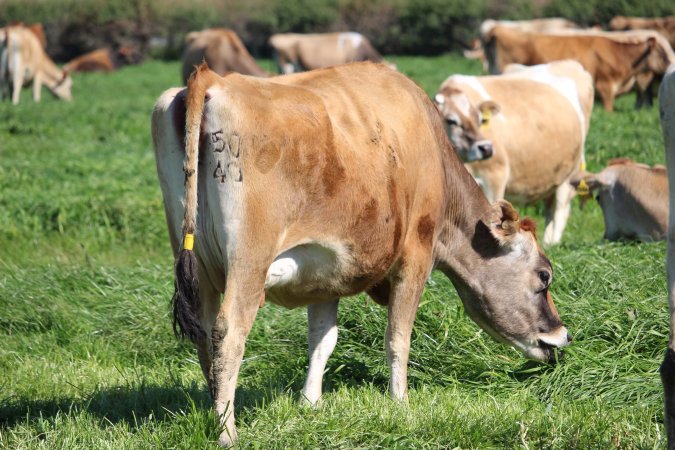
545 277
453 122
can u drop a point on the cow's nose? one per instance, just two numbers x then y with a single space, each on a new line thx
569 338
485 149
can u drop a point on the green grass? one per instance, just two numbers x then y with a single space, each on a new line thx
88 359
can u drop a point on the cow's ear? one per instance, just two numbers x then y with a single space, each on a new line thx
651 43
489 107
503 222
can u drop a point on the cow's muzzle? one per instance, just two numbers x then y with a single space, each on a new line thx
480 150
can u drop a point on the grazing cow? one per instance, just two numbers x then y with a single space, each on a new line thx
23 59
103 60
633 198
664 25
320 185
222 50
667 111
545 25
297 52
522 134
613 63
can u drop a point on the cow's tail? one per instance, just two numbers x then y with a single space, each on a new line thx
186 303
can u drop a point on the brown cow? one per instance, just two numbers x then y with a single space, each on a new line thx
522 134
103 60
297 52
222 50
667 111
664 25
633 198
544 25
320 185
23 59
613 63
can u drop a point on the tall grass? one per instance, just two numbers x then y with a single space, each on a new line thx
88 359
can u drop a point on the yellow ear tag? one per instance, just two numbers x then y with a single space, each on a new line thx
485 119
583 189
189 242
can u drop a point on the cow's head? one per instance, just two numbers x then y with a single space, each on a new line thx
63 86
657 56
508 295
464 123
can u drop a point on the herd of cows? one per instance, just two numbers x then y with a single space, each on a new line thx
305 188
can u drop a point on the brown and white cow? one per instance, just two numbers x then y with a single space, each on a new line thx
22 60
613 63
633 198
664 25
321 185
667 111
544 25
297 52
222 50
523 133
103 60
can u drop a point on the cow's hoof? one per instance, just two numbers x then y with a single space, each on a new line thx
227 439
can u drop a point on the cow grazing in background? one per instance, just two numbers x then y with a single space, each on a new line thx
22 60
36 28
103 60
545 25
664 25
222 50
523 133
667 111
633 198
320 185
298 52
613 63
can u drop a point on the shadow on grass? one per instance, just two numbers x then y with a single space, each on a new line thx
133 405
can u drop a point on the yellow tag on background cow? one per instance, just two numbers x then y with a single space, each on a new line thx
583 189
485 119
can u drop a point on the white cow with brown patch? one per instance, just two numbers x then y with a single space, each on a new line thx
297 52
522 134
633 198
23 60
306 188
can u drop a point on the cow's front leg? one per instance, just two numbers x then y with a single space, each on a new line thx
37 87
557 212
230 330
17 80
407 287
322 337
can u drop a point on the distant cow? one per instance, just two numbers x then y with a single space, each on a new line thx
545 25
103 60
320 185
22 60
613 63
36 28
297 52
667 112
664 25
222 50
633 198
523 133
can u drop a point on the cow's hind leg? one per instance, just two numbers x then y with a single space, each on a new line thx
243 289
406 288
557 212
322 337
209 300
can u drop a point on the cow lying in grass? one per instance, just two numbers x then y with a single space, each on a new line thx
523 133
633 198
22 60
321 185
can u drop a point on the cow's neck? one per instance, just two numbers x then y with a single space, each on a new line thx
51 74
457 253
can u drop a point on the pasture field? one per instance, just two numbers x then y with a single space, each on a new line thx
88 358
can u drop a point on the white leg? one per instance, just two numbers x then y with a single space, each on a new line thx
17 80
556 225
322 337
37 87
